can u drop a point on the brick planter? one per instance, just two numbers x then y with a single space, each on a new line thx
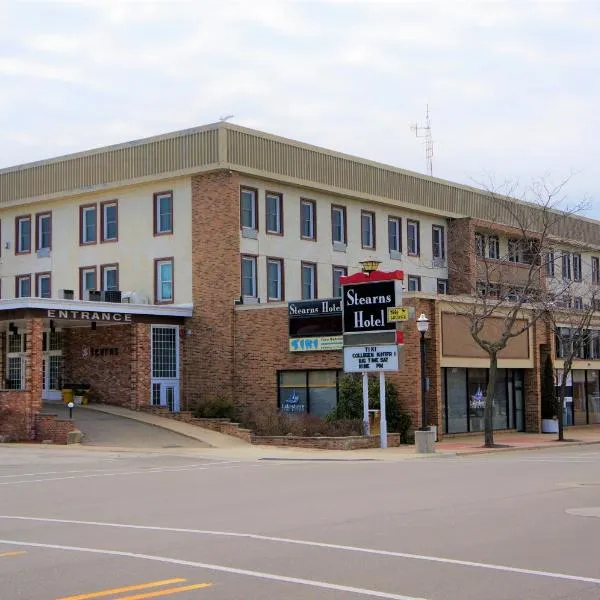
327 443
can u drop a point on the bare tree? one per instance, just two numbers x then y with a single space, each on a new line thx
507 293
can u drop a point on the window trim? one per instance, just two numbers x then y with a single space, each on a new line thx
38 276
246 188
38 237
569 272
595 271
313 203
81 272
279 197
398 221
416 278
281 263
345 272
164 259
18 279
579 275
368 213
103 269
445 282
495 245
442 231
254 258
18 219
417 239
82 209
103 206
344 212
156 218
315 294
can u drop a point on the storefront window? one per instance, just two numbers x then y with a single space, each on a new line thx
293 392
500 417
313 391
456 398
322 390
477 384
579 404
593 396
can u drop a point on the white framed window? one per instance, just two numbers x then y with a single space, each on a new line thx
578 303
274 209
275 279
493 247
480 244
438 239
249 283
566 265
164 280
577 267
110 221
550 263
308 228
515 251
163 213
110 277
414 283
88 223
88 280
249 208
23 286
413 237
338 224
442 286
337 273
23 231
15 361
595 269
367 238
44 231
165 352
309 281
43 288
395 234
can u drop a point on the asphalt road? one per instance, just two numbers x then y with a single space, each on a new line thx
83 524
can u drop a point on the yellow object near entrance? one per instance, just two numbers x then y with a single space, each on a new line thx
397 313
67 395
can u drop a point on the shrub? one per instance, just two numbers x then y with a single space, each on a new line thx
218 408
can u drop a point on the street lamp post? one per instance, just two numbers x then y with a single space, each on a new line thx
422 327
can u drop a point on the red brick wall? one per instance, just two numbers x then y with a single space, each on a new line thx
17 413
542 341
49 427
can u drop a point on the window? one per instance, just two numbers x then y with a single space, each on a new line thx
577 267
164 285
110 277
249 208
23 286
110 221
595 269
308 227
164 353
274 208
163 213
15 363
23 234
87 281
338 272
414 283
493 247
395 234
367 235
275 285
313 391
566 265
309 281
514 251
88 219
249 287
338 224
578 303
550 263
43 232
480 244
442 286
438 242
43 287
413 238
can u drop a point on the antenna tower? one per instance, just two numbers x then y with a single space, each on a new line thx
424 131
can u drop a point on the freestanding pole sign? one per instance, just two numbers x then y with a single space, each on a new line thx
366 300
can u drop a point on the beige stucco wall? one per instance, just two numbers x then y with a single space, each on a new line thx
135 250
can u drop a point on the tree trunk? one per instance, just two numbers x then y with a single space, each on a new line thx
488 413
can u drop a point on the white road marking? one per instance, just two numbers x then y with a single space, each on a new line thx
358 549
222 568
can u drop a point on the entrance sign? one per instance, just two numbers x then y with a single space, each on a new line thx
358 359
88 315
397 313
366 304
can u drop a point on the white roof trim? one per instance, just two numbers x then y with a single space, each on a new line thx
159 310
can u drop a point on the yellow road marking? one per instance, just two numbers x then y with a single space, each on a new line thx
5 554
129 588
160 593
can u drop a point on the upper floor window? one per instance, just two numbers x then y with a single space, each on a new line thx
249 284
442 286
577 267
309 281
43 232
414 283
88 223
578 303
367 219
110 277
164 284
515 253
23 286
413 237
480 244
23 234
110 221
274 208
88 280
338 224
550 263
337 273
395 234
493 247
275 288
566 265
438 242
308 227
249 208
43 287
163 213
595 269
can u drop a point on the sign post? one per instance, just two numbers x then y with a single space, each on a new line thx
383 426
365 390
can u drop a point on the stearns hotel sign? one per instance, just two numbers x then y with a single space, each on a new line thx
88 315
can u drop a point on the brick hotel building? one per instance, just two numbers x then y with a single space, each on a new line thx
159 272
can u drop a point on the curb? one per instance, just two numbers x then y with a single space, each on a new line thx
525 448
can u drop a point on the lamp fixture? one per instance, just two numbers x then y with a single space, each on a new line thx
422 324
368 266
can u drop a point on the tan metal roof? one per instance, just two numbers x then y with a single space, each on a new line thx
228 146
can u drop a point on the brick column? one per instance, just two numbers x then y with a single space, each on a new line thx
33 372
140 366
542 342
461 256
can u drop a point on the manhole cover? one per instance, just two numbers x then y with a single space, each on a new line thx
590 511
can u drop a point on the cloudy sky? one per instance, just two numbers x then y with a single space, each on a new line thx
513 88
